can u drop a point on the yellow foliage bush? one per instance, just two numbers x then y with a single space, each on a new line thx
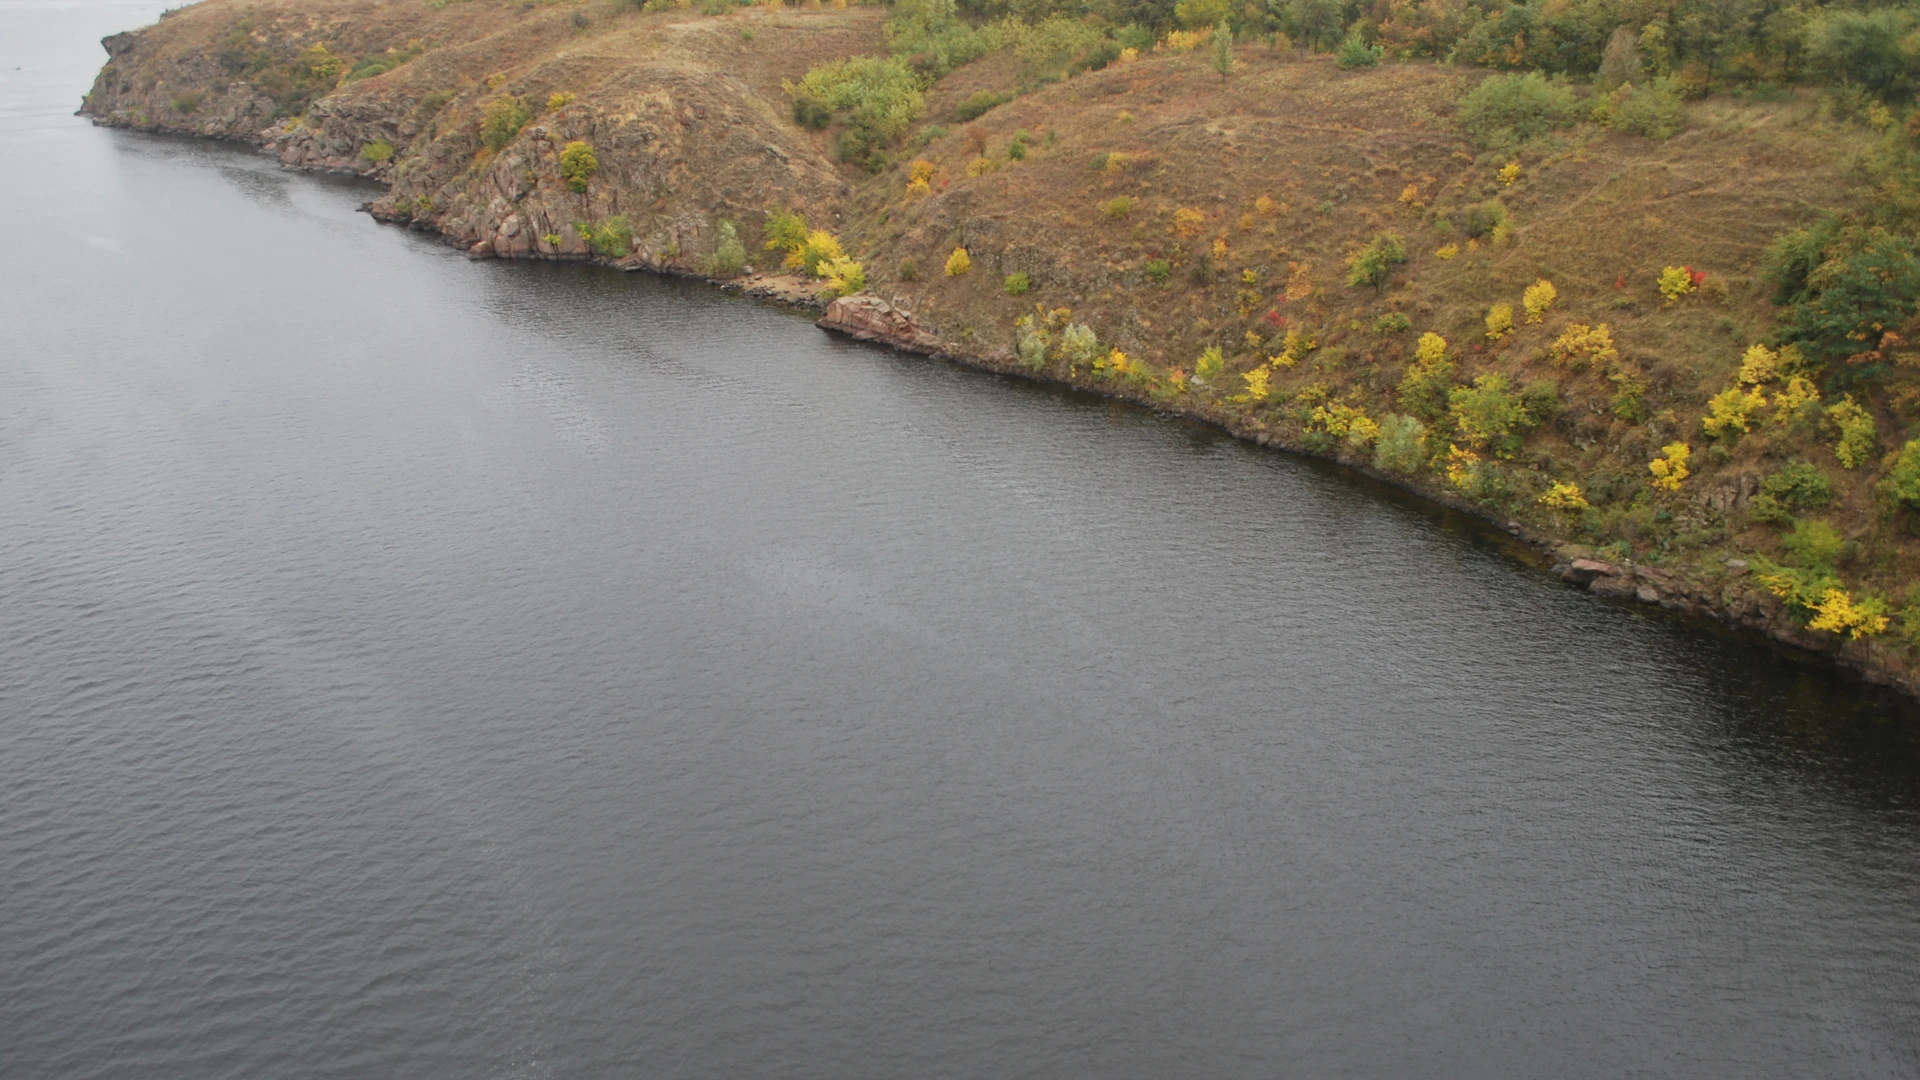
821 248
844 276
1187 223
959 262
1180 41
1580 345
1670 468
1538 298
1564 496
1797 394
1265 205
1509 173
1410 194
1759 366
560 99
1211 363
1837 613
1293 348
1430 349
918 188
1856 434
1128 55
1460 466
1220 247
981 166
1499 321
1344 422
1447 252
1730 412
1675 282
1257 389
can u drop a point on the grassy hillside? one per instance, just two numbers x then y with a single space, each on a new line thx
1312 253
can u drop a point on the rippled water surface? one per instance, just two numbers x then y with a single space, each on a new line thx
412 667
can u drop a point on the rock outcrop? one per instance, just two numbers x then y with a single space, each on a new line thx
869 318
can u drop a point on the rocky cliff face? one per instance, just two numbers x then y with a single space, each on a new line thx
682 132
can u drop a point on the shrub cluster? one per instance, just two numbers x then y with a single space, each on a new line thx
502 120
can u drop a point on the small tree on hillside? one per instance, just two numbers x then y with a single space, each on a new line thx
1223 49
1371 264
1354 52
1314 23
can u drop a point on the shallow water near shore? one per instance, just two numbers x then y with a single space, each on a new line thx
419 667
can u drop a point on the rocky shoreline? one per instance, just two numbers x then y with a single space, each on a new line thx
1735 600
1731 598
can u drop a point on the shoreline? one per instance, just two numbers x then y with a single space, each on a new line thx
1720 603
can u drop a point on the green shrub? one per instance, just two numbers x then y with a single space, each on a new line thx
931 34
1195 14
1401 446
1542 402
1505 110
1048 48
1017 283
729 255
369 66
1814 544
1488 416
1481 219
1372 263
1795 487
978 104
1865 281
880 95
578 163
502 120
785 232
1800 485
811 113
1078 345
1134 36
612 238
1862 48
1393 322
377 151
1653 110
1902 484
1117 207
1426 386
1794 255
862 146
1158 271
1102 56
1032 342
1354 52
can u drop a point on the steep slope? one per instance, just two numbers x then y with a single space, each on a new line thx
1157 232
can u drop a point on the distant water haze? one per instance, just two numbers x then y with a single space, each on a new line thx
412 667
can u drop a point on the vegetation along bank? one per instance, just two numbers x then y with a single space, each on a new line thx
1638 280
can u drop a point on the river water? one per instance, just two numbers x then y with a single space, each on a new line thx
412 667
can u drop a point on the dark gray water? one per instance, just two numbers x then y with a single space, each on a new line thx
418 668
